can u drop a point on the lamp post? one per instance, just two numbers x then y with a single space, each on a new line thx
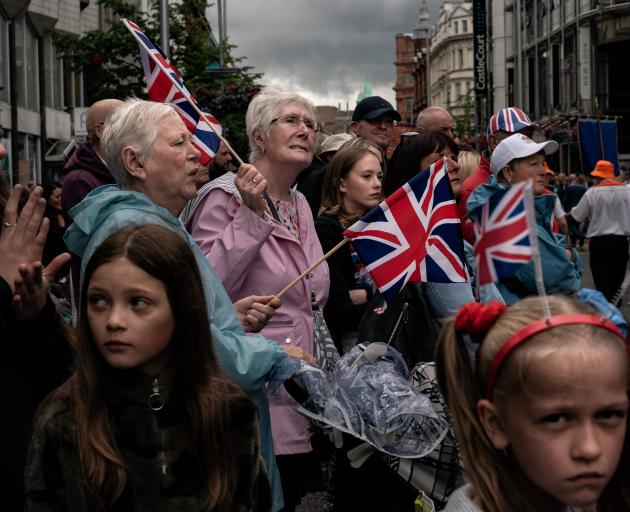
222 20
164 32
422 33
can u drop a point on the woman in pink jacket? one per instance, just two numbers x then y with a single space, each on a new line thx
258 234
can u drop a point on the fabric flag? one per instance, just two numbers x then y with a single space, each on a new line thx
414 235
598 141
505 233
161 77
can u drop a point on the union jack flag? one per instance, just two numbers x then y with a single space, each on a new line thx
165 85
504 232
414 235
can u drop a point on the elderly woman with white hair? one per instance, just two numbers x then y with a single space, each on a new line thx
150 153
258 234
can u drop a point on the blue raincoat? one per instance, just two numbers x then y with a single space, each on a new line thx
247 360
559 274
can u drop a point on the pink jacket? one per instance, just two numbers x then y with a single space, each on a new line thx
253 257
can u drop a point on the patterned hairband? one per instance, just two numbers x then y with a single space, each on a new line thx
476 320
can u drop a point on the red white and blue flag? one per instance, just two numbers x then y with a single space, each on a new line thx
165 85
414 235
505 236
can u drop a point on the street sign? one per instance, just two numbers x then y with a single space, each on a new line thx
480 57
79 117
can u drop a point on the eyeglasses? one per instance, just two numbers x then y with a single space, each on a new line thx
295 122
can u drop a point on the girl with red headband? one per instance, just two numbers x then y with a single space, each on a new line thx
540 414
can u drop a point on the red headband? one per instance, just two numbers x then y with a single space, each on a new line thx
542 325
471 319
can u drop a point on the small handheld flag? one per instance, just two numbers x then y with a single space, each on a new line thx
165 85
414 235
505 235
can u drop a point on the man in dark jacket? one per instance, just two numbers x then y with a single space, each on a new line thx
86 169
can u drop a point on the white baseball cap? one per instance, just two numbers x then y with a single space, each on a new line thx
518 146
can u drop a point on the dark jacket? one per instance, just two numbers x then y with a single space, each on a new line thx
85 172
35 360
54 244
156 446
311 182
340 313
572 196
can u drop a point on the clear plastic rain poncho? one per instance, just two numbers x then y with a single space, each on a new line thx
368 396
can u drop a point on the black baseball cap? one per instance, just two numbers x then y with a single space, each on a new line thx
373 107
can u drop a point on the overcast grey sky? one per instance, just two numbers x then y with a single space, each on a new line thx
324 49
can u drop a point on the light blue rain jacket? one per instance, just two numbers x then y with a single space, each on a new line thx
559 274
247 360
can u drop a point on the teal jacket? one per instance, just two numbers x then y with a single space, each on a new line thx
247 360
559 274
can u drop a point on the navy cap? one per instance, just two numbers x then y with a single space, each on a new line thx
373 107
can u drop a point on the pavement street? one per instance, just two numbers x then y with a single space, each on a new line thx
587 282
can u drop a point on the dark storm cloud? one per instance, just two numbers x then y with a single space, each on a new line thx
323 47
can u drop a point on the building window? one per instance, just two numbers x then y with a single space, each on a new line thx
460 58
531 84
555 77
53 69
543 82
569 68
407 80
457 27
458 90
4 59
410 109
26 65
464 26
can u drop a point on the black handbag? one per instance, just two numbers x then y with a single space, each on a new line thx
405 324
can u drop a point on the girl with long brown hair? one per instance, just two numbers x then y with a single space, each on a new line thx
540 414
352 187
147 421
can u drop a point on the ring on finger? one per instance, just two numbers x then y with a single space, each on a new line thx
9 225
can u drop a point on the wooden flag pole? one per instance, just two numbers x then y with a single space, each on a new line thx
311 267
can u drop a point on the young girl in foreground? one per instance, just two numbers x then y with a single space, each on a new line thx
147 422
540 416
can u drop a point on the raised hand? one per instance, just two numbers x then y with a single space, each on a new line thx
251 185
32 286
23 236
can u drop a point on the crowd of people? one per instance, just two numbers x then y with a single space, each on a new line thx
153 389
